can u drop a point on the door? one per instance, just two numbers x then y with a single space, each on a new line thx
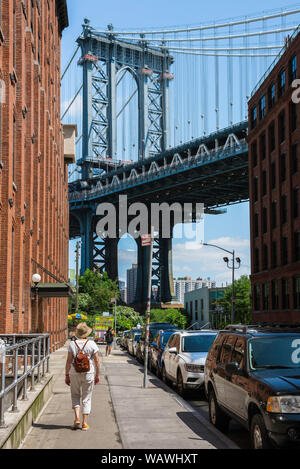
174 357
167 355
220 375
238 383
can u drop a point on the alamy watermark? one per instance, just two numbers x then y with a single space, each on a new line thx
296 93
138 218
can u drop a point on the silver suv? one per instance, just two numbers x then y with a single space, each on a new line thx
184 357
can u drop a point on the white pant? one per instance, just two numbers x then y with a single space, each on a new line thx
82 385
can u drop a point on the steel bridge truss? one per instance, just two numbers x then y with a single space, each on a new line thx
104 61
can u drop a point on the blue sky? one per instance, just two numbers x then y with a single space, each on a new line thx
230 230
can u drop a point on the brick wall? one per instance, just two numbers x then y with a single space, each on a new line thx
33 176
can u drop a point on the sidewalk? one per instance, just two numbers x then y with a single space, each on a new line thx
124 414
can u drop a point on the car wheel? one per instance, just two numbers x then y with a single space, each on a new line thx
258 433
216 415
180 386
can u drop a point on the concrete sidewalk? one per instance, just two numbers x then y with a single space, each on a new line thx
124 414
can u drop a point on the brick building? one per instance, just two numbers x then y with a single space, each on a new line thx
33 174
274 180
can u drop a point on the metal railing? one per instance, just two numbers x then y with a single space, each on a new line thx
24 361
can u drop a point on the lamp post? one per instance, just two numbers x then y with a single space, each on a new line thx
233 267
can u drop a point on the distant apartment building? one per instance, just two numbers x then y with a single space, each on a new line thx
274 184
201 304
123 291
131 283
186 284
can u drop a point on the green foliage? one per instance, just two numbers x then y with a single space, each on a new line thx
242 288
95 293
127 318
172 315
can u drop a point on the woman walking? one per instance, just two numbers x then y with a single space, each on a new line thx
109 337
82 373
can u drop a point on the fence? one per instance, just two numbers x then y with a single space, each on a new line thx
23 363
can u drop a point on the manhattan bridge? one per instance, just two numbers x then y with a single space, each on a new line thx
162 117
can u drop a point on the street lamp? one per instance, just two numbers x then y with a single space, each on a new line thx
233 267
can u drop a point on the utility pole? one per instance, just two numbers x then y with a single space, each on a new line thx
77 275
147 240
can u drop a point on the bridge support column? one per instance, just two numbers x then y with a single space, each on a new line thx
86 241
167 293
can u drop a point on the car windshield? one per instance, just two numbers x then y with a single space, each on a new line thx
274 352
197 343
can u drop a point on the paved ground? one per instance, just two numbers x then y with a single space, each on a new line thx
124 414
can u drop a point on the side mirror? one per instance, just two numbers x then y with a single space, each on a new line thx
232 368
173 350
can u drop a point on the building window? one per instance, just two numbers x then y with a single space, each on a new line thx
255 189
272 136
296 202
281 126
253 117
265 220
271 95
284 250
265 257
12 269
281 83
285 293
293 68
274 287
254 153
263 146
265 296
274 214
264 182
295 157
274 254
296 292
283 209
282 167
257 297
262 107
256 227
256 260
273 175
297 246
293 115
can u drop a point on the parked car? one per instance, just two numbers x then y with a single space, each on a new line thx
123 339
156 350
132 339
154 327
184 357
252 374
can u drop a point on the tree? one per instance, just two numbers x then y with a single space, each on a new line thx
172 315
127 318
95 292
242 305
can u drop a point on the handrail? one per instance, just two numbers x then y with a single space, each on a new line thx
17 352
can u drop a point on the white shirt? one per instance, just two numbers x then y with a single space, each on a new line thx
89 349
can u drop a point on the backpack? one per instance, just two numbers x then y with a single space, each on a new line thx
109 336
81 361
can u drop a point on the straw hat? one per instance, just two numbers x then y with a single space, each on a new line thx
82 330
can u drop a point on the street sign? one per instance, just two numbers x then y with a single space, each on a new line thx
146 240
105 314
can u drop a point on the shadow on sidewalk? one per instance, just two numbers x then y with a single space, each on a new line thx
188 419
52 427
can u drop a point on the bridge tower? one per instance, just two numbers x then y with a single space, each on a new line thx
104 59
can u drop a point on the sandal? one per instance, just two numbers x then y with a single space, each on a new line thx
76 424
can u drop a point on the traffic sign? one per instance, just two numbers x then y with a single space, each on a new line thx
146 240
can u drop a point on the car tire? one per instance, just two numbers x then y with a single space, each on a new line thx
216 416
179 384
259 434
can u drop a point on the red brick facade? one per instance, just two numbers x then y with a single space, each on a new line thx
274 182
33 176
